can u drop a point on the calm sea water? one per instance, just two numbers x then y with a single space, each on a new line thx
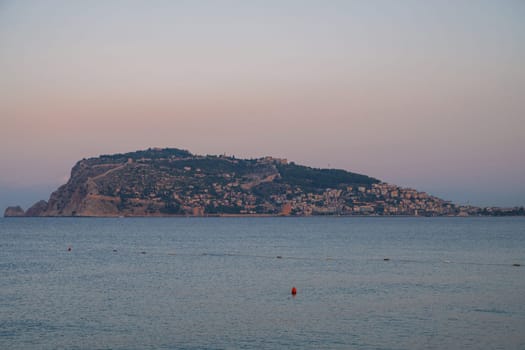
224 283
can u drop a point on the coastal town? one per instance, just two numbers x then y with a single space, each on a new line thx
173 182
381 199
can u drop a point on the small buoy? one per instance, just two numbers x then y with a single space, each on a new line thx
516 265
294 291
386 259
68 249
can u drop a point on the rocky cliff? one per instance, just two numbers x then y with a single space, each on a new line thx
161 182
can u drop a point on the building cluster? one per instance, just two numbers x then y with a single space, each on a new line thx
377 199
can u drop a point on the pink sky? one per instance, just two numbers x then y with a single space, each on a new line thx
422 94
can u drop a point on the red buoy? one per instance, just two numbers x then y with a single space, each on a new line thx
294 291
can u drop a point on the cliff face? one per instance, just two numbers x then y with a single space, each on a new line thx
81 194
158 182
37 209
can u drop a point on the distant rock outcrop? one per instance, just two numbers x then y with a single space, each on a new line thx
37 209
14 211
164 182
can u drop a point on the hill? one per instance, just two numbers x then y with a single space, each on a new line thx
169 181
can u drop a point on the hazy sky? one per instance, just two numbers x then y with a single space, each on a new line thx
425 94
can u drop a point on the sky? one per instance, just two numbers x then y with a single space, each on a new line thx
423 94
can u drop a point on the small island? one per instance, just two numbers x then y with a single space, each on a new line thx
175 182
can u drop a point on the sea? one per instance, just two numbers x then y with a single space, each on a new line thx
225 283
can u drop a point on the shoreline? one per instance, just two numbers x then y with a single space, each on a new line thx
255 216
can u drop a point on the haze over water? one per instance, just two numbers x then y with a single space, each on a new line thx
223 283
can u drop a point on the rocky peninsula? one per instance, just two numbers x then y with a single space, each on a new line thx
174 182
